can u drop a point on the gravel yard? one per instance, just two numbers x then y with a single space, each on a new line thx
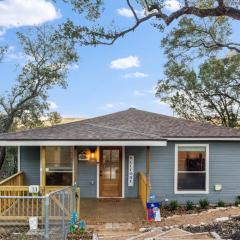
229 229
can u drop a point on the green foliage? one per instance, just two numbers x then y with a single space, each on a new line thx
211 94
173 205
193 38
189 205
221 203
46 65
237 203
204 203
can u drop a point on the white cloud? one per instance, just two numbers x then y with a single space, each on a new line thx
137 93
52 105
135 75
17 13
14 55
114 105
126 12
124 63
172 5
109 105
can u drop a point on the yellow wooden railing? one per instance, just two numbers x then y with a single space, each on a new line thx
143 189
14 180
23 208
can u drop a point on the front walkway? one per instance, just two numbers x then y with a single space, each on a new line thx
99 211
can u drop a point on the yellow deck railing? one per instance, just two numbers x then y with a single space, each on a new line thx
14 180
17 208
143 190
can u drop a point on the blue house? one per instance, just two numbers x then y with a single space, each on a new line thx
131 153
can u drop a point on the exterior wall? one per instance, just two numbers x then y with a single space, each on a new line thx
224 169
30 164
139 166
87 179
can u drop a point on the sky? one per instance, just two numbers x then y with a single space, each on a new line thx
107 78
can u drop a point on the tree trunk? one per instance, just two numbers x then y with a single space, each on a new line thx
2 156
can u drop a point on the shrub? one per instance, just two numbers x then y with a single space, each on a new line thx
189 205
237 202
173 205
221 203
203 203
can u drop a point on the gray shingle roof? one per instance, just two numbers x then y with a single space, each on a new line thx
131 124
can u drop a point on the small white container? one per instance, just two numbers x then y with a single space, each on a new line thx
33 223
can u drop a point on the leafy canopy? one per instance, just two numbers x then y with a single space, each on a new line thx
210 94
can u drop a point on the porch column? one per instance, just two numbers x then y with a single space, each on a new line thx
74 165
43 165
147 172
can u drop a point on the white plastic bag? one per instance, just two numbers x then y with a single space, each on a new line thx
33 223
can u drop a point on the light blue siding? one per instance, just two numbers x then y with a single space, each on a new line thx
139 165
30 164
87 179
224 169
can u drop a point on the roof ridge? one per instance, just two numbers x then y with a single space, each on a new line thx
122 129
184 119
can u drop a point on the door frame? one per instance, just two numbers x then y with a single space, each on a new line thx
123 174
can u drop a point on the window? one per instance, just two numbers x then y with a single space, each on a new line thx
59 166
191 168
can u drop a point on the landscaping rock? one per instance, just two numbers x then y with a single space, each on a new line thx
221 219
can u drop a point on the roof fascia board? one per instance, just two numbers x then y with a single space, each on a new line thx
204 139
84 143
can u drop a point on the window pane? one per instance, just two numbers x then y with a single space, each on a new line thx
191 181
58 178
59 158
191 161
107 164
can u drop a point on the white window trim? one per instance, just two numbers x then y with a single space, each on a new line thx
176 191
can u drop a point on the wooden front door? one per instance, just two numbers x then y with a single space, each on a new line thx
110 172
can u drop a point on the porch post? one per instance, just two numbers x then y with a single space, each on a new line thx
147 173
74 167
43 165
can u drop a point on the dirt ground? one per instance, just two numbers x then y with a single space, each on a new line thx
97 211
207 216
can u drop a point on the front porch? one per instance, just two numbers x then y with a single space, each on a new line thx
86 175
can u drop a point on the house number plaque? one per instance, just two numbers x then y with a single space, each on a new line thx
131 171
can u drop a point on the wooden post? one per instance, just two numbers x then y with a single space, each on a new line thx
147 173
43 166
74 166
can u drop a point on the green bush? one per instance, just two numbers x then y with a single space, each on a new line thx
173 205
203 203
221 203
237 202
189 205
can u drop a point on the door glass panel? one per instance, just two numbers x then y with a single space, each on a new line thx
107 164
115 156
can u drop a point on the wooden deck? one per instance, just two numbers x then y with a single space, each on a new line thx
16 203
